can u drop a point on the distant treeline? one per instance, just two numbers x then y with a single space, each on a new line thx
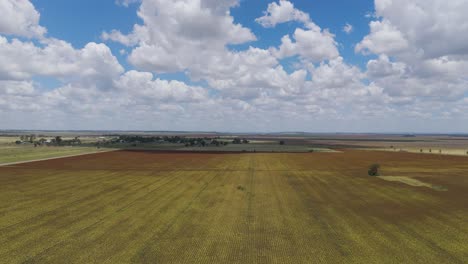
40 141
187 141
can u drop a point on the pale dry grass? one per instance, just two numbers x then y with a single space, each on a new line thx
411 182
7 140
426 150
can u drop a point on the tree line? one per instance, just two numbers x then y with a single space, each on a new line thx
56 141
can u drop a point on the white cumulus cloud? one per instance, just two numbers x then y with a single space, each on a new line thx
314 44
348 28
19 17
281 12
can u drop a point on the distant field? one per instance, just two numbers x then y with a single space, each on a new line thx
7 140
254 146
433 151
260 147
154 207
15 153
395 142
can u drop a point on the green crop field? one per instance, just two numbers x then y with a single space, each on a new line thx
154 207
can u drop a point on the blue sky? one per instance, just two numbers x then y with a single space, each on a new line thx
235 65
80 22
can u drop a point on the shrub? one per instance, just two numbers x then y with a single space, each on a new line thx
374 170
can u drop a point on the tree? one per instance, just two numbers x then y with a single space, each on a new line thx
76 141
58 140
281 142
374 170
42 141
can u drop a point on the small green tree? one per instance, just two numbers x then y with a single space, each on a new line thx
374 170
58 140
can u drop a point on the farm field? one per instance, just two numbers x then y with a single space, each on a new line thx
14 153
156 207
448 144
251 147
430 151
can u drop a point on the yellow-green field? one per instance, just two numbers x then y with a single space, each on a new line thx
156 207
13 153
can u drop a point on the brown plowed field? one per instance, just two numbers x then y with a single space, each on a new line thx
153 207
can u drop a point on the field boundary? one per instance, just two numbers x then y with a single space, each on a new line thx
53 158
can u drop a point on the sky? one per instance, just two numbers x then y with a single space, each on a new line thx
235 65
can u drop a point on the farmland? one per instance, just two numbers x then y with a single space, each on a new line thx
140 206
10 154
